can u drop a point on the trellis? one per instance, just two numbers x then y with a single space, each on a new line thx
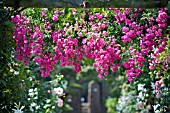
88 3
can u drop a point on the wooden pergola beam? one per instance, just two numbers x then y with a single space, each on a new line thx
87 3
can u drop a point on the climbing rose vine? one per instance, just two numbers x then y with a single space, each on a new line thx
130 38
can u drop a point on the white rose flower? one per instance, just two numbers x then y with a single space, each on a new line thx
35 89
16 72
145 90
141 87
141 96
31 94
33 104
37 107
155 107
58 91
53 107
36 93
30 90
36 97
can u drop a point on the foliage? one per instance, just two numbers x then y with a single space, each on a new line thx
17 80
111 105
47 96
135 40
148 96
56 39
133 43
13 74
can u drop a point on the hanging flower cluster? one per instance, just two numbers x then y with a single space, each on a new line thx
111 37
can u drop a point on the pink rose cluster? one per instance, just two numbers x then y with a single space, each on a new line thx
23 49
134 65
152 40
89 37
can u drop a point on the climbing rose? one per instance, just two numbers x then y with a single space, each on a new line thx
60 102
58 91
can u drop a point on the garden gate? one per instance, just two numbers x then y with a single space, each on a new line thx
94 102
94 99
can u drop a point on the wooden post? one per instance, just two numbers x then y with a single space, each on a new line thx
87 3
94 97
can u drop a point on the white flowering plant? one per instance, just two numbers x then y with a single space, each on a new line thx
47 96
